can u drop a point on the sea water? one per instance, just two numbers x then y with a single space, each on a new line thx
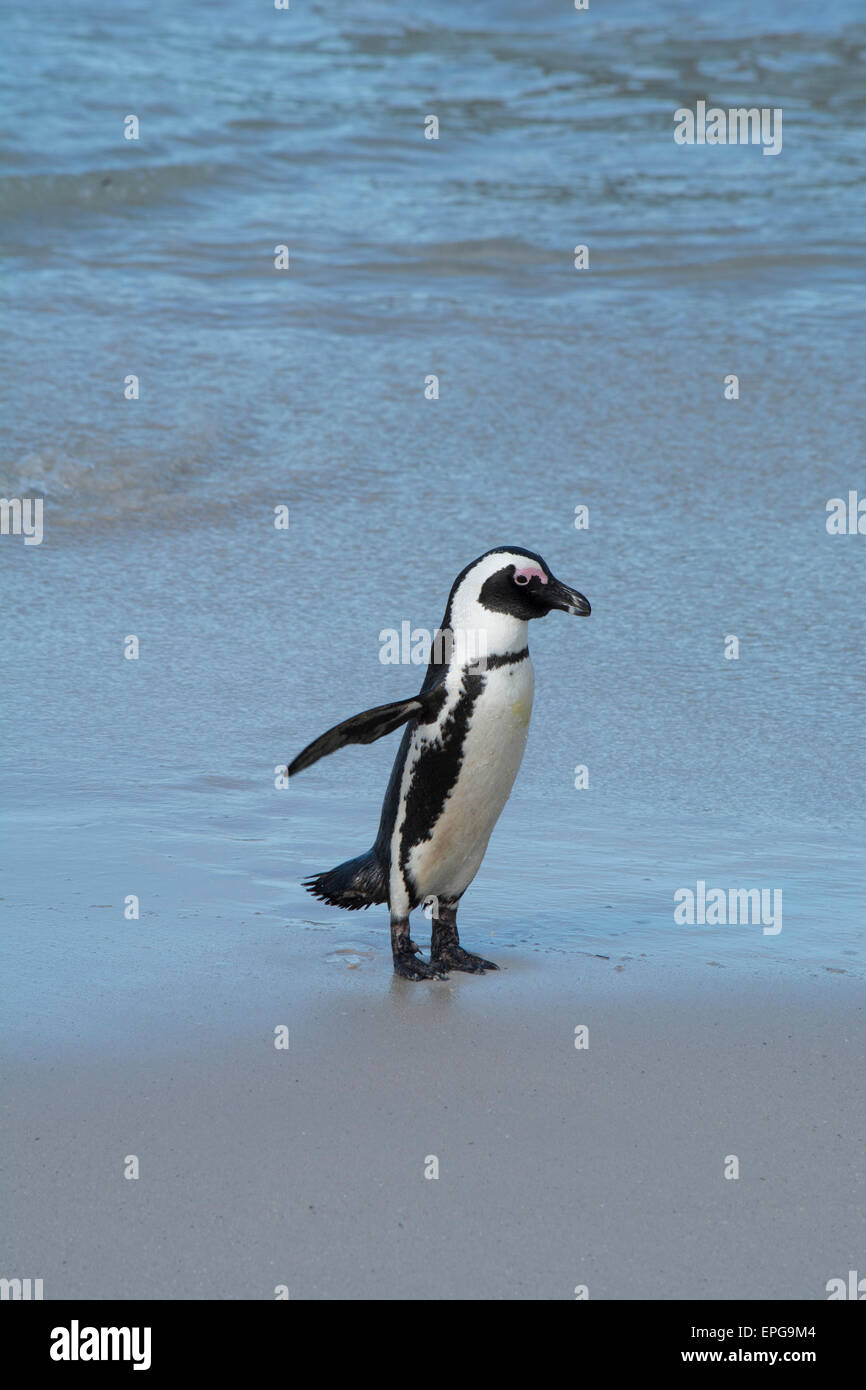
584 413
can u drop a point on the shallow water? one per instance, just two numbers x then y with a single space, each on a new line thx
558 388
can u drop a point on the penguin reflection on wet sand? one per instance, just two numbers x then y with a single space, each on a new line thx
458 758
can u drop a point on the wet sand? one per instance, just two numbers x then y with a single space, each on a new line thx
558 1167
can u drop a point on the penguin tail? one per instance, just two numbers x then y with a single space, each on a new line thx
357 883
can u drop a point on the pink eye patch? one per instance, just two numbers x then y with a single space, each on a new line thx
523 576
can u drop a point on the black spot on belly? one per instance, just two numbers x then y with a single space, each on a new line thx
436 773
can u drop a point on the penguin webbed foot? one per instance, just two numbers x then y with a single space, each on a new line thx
455 958
409 966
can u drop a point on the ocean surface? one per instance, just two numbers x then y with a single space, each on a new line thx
305 387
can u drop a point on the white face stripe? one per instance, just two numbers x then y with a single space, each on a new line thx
504 633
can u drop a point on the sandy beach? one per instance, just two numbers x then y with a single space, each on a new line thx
282 366
600 1166
153 1037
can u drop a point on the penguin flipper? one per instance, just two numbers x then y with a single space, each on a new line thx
364 728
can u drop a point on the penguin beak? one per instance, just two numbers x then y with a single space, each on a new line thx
557 595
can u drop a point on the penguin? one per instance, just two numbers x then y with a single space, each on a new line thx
461 750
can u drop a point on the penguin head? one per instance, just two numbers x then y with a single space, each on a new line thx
507 587
517 582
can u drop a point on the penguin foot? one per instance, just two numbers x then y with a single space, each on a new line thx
411 967
455 958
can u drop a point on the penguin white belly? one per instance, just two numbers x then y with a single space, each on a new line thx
493 749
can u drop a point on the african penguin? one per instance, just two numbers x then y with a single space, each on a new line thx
458 758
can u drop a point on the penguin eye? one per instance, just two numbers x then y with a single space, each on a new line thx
521 579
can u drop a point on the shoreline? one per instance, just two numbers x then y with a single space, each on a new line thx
558 1166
